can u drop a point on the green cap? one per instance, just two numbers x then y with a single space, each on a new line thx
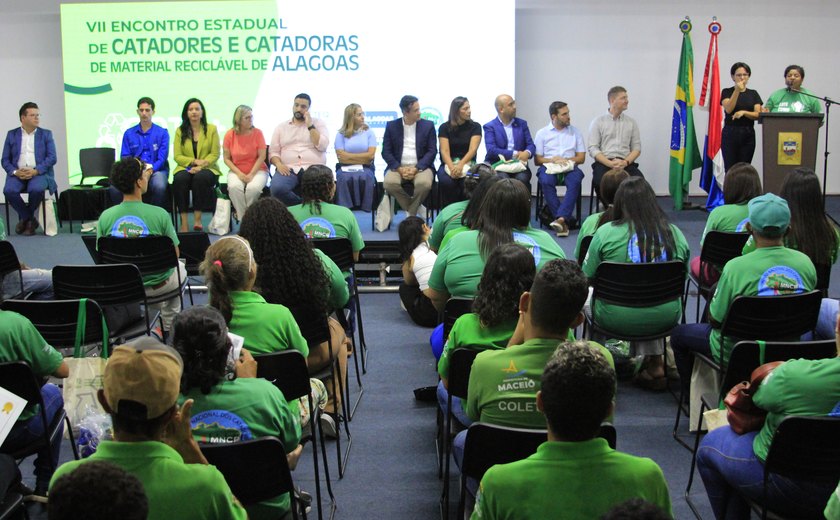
769 215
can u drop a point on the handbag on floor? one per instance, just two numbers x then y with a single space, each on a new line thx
85 379
220 224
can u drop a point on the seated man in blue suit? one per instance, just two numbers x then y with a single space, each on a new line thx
28 158
562 144
509 136
409 147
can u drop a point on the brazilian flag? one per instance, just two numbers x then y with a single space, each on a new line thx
685 156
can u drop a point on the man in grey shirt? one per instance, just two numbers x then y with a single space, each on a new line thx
614 140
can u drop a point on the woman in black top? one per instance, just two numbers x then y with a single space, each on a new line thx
459 138
741 107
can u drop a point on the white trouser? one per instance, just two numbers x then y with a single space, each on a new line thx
243 195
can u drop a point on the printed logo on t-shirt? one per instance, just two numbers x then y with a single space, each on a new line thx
742 226
219 427
515 380
635 255
780 279
317 227
530 244
835 412
129 226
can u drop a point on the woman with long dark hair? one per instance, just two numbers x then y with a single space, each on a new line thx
317 216
230 403
458 140
504 218
417 263
449 217
640 233
609 185
292 273
509 272
196 150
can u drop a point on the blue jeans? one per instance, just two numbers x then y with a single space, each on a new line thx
31 430
35 187
38 282
155 193
523 176
457 405
572 181
355 189
729 467
284 187
686 339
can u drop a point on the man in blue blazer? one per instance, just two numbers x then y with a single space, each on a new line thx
28 158
509 136
409 148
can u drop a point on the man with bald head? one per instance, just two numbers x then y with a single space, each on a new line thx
509 136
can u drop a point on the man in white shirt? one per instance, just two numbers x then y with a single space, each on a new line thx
28 158
560 145
409 148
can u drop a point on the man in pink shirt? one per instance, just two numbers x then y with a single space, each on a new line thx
296 144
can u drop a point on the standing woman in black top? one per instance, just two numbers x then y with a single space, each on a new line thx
741 107
458 140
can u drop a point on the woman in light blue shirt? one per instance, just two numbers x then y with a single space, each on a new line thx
355 146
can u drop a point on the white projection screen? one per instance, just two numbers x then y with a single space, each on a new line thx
263 53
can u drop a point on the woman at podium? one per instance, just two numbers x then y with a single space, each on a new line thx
741 106
793 98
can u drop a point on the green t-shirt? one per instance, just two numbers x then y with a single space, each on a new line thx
451 233
767 271
587 228
131 219
174 489
504 383
244 409
448 219
576 480
339 291
21 341
832 510
266 327
798 387
333 221
784 101
2 230
459 265
729 217
467 332
612 243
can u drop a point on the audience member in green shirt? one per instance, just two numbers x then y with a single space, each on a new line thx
509 272
609 185
575 474
450 217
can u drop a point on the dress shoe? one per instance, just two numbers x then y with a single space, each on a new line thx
31 226
20 227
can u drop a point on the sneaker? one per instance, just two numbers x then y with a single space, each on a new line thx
304 500
39 494
157 333
560 227
328 426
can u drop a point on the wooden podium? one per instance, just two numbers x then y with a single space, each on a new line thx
789 142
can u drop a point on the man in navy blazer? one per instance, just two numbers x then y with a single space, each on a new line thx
409 148
509 136
28 158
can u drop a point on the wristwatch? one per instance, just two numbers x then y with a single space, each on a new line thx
310 127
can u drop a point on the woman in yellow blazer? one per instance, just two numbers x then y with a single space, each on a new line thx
196 152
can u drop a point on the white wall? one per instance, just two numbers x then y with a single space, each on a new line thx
575 51
569 51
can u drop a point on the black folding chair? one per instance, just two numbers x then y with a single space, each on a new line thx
151 255
768 318
287 371
541 201
10 265
487 445
803 449
18 378
256 470
460 366
823 278
452 310
719 247
94 163
111 286
636 286
746 356
192 246
315 329
56 320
